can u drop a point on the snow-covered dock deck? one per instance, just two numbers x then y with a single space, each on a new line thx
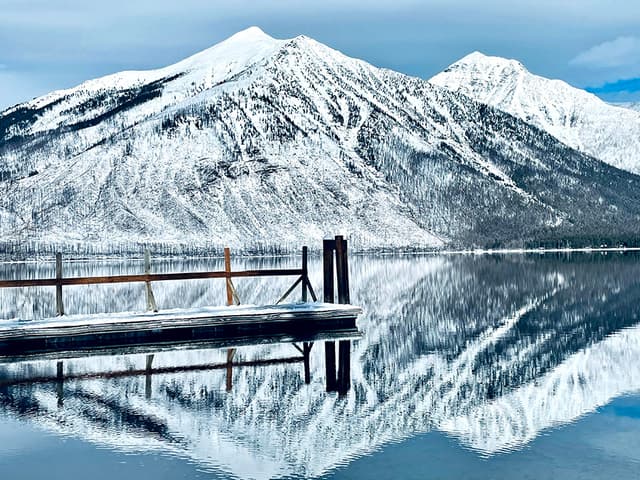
118 329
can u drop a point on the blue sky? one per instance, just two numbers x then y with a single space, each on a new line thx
52 44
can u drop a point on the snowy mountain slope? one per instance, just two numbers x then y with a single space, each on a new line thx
576 117
630 105
535 345
259 142
65 109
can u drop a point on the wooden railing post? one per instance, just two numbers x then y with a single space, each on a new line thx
151 301
232 295
305 274
227 269
59 304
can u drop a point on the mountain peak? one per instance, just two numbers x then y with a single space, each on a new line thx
483 61
253 32
230 56
473 57
249 42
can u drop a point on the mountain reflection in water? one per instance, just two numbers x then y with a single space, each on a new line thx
489 349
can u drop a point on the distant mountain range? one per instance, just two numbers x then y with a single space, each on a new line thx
575 117
266 144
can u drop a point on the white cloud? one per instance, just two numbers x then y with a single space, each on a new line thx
619 53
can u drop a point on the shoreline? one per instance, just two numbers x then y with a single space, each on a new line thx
475 252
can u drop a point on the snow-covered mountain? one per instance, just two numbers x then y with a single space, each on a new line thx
576 117
630 105
263 143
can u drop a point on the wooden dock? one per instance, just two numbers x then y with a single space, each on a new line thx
230 323
172 326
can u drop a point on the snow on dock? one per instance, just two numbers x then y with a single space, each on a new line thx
172 325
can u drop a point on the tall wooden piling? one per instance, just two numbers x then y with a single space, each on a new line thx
327 264
337 248
342 270
344 346
59 304
328 294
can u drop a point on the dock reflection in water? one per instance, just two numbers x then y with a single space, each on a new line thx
191 401
492 351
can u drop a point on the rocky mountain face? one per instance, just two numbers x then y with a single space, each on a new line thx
575 117
266 144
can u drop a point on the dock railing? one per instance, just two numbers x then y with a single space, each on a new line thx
232 297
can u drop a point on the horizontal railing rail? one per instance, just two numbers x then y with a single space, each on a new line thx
151 277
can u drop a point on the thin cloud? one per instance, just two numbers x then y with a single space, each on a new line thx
619 53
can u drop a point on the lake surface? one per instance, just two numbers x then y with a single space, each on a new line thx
501 366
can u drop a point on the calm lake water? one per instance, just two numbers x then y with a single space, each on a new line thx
505 367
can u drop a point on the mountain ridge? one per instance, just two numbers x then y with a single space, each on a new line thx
290 142
576 117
